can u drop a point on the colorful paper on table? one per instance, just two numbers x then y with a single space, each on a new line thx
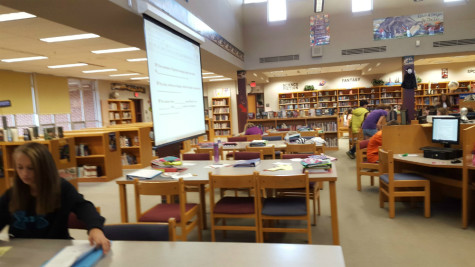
281 167
4 250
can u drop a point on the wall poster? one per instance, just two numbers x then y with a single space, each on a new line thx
445 73
408 26
319 30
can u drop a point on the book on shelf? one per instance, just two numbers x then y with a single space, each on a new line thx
248 163
143 174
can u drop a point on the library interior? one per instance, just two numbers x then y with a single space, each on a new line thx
209 127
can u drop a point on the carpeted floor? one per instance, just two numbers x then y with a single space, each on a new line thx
367 235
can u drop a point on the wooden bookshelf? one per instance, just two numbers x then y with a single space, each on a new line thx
98 148
62 151
222 117
135 145
428 94
115 112
328 123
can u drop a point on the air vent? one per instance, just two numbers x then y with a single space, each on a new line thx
365 50
454 42
278 59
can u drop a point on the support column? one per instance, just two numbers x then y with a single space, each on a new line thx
241 100
409 84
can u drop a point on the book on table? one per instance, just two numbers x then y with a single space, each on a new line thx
248 163
258 143
143 174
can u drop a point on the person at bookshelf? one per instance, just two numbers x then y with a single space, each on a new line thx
347 117
444 102
39 202
357 118
251 129
372 150
375 120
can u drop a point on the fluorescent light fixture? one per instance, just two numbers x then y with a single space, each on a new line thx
276 10
115 50
448 1
124 74
210 77
318 6
137 59
361 5
69 37
23 59
139 78
16 16
254 1
67 66
94 71
207 73
222 79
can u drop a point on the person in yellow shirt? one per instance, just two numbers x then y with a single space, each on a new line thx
357 118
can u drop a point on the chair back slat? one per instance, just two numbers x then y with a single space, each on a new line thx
252 137
247 155
301 148
197 156
296 156
264 150
158 188
237 139
284 181
232 181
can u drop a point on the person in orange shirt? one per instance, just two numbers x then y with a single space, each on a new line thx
372 150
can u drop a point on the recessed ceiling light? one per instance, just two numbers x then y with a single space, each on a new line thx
377 64
222 79
139 78
255 75
102 70
123 74
23 59
115 50
369 69
69 37
67 65
16 16
137 59
209 77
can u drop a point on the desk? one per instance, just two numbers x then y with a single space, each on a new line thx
410 163
241 146
201 178
34 252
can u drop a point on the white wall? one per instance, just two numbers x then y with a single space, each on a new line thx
348 31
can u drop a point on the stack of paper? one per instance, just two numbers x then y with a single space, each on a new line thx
143 174
248 163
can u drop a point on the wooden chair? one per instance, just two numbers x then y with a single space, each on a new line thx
353 137
296 156
252 137
209 151
247 155
281 134
141 231
398 185
197 156
342 130
363 167
233 207
283 208
301 149
264 150
237 139
187 216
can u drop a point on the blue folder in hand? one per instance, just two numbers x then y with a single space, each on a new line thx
248 163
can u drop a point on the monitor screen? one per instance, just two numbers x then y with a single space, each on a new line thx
445 130
176 88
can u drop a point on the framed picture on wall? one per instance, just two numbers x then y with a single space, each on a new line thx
445 73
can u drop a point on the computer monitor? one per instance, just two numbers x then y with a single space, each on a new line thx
445 130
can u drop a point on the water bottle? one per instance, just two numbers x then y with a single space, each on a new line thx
216 152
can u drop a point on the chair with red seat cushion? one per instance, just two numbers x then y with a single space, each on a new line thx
233 207
247 155
197 156
141 231
363 167
229 155
187 216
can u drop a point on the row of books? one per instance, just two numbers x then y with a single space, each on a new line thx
82 150
223 125
220 110
221 117
220 102
89 171
126 141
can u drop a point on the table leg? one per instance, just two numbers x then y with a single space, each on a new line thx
334 214
203 206
465 198
124 212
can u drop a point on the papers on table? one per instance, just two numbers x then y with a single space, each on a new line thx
143 174
217 166
3 250
248 163
72 255
281 166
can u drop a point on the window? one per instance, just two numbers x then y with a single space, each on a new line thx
276 10
361 5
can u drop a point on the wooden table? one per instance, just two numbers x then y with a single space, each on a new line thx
34 252
418 162
200 177
241 146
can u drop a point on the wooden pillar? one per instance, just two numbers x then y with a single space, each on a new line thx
241 100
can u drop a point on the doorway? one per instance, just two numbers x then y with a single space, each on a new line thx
138 109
